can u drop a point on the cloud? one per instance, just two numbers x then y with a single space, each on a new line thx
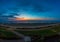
14 6
35 5
10 8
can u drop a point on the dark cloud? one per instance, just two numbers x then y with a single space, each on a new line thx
36 5
14 6
40 8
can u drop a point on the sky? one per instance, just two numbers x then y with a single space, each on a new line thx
39 9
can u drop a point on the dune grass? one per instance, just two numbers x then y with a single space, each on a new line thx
57 28
6 33
52 31
37 32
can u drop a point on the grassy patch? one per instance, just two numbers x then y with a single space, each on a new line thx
37 32
56 28
52 31
6 33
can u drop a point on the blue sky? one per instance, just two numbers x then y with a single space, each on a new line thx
32 8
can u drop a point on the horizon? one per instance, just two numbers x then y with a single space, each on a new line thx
32 21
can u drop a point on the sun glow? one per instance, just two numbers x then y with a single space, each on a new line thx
30 17
22 18
33 19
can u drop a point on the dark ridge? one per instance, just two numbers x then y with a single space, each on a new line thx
28 24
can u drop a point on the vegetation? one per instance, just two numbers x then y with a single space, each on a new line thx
56 28
6 33
46 32
39 32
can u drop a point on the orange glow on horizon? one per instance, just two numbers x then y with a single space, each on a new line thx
33 18
22 18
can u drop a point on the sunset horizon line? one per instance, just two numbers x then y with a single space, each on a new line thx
25 19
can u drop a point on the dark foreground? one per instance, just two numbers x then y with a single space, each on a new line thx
53 38
35 38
